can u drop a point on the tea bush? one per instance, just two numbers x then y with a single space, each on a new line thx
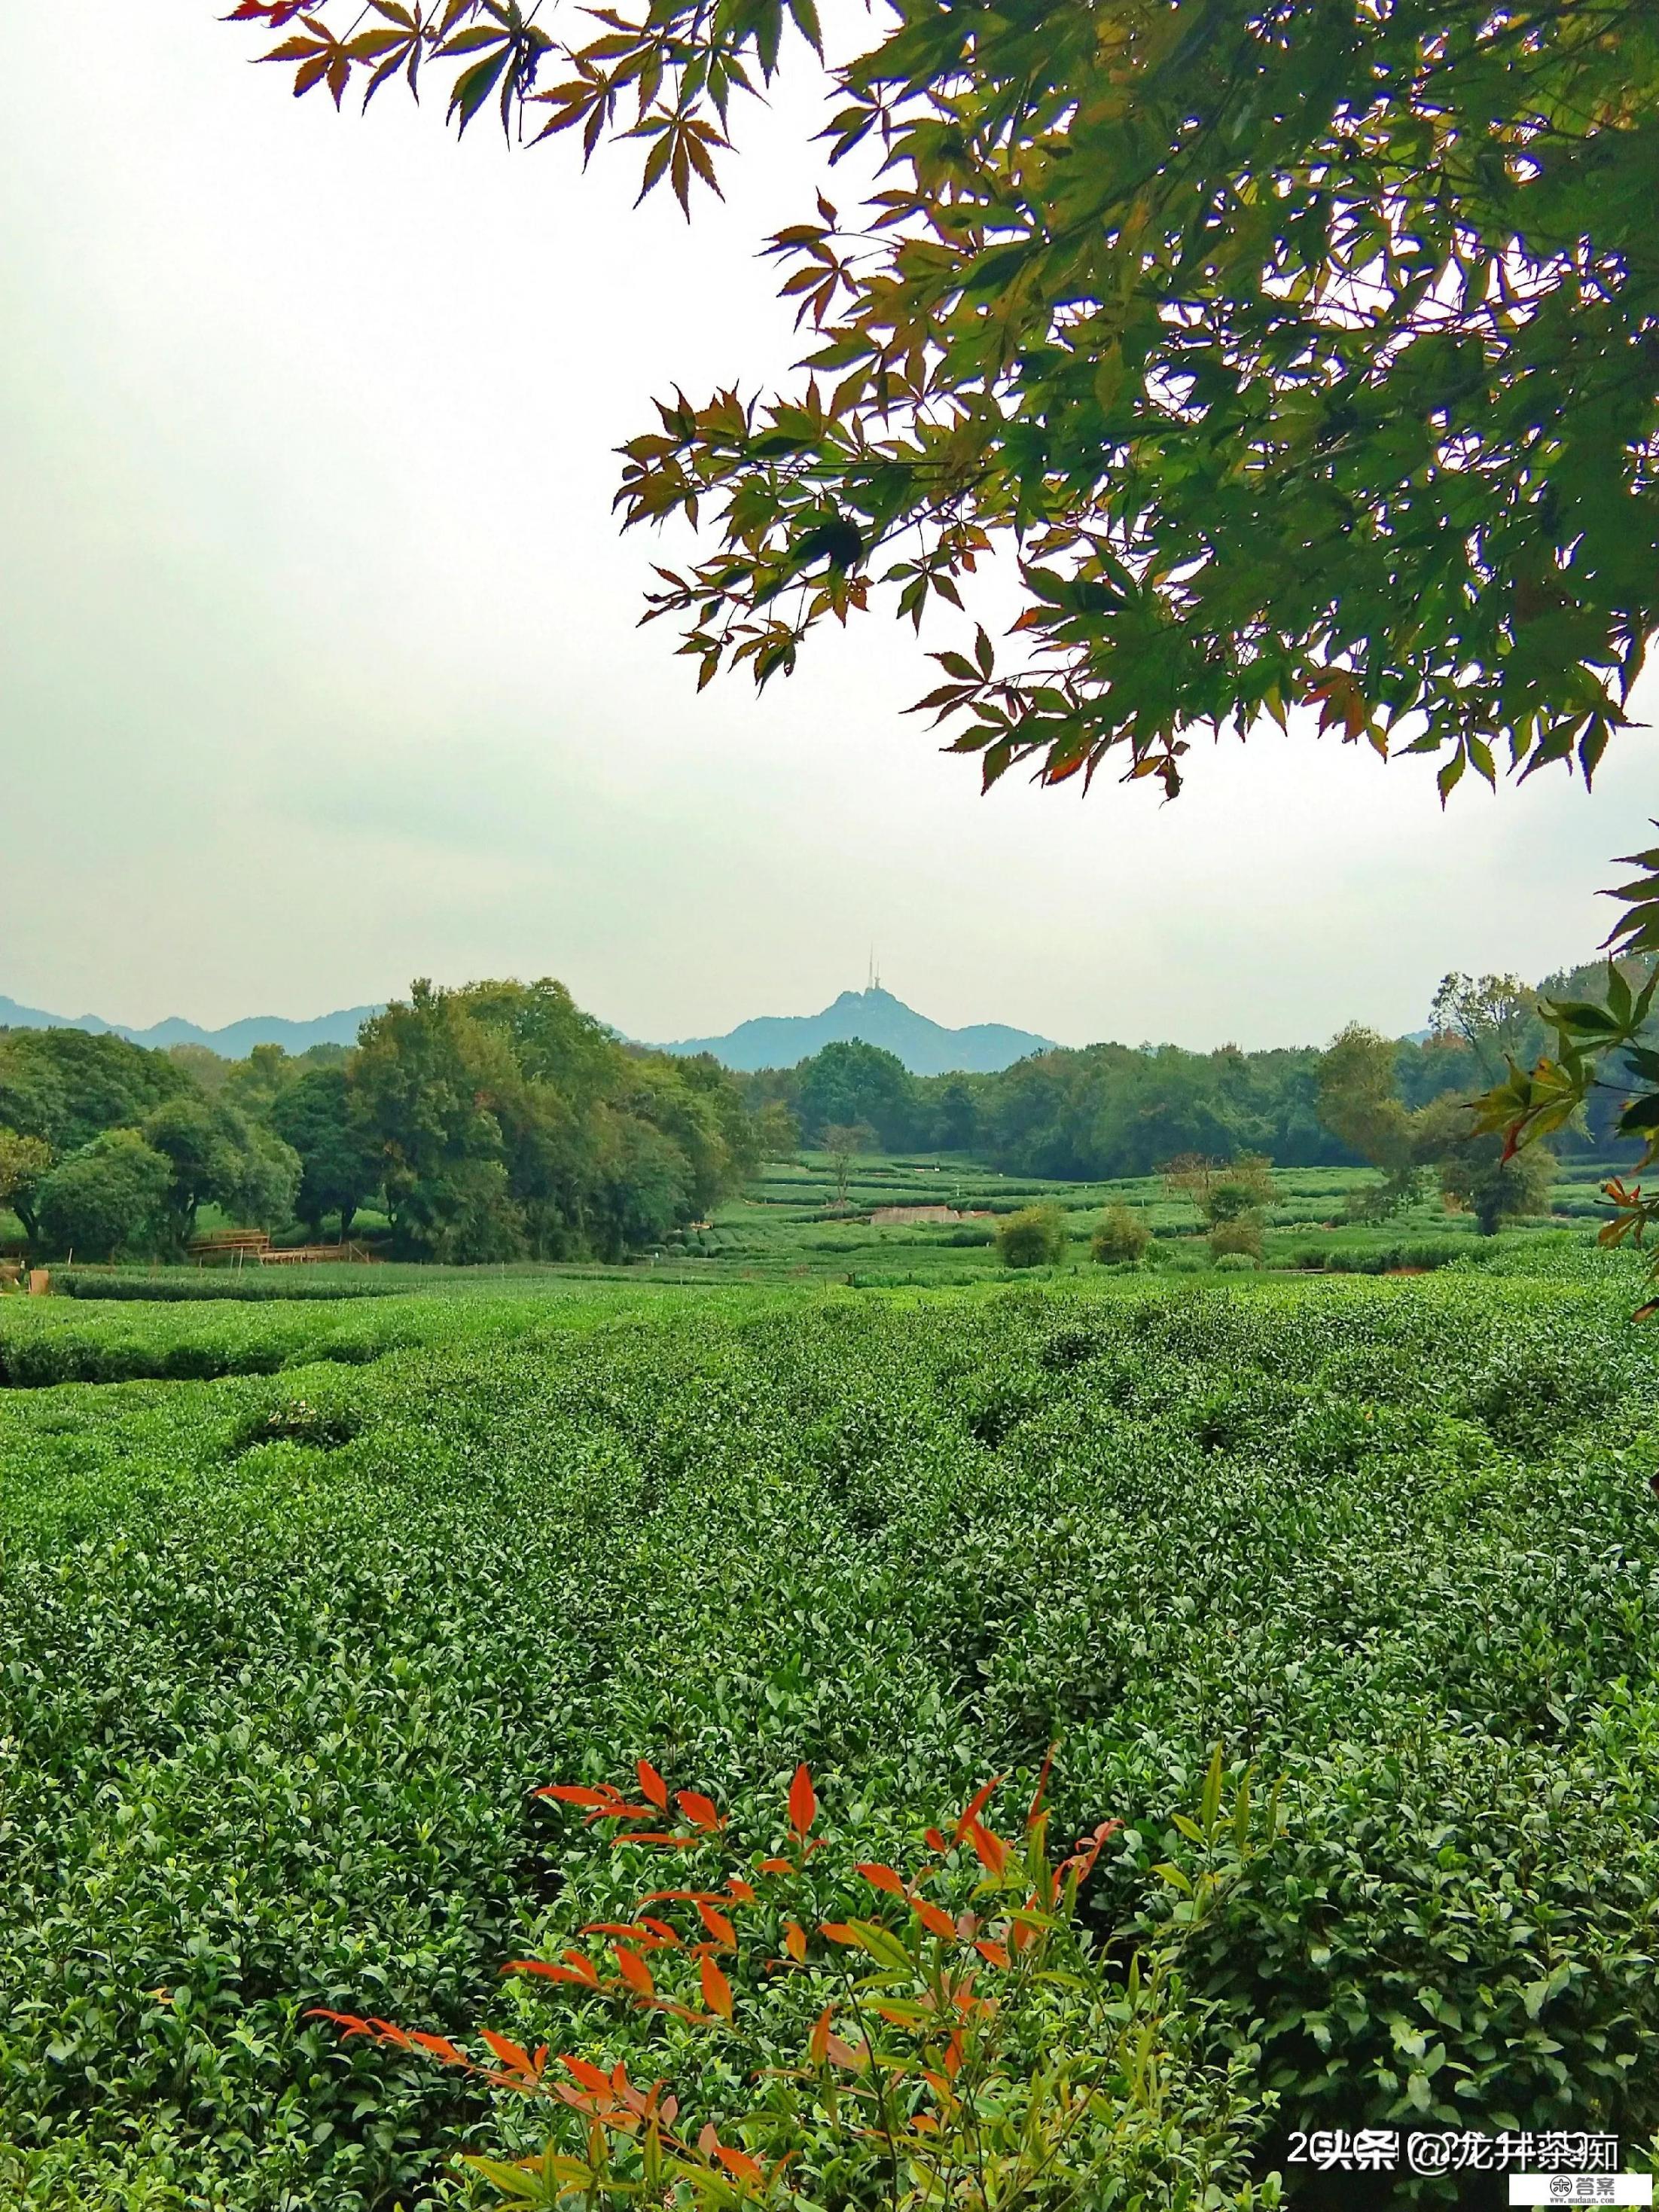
1034 1236
1237 1237
283 1657
1121 1238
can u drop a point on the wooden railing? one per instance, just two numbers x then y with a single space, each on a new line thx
241 1246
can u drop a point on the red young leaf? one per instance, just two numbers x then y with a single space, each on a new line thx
576 1969
588 2075
510 2053
1041 1790
739 2164
1088 1850
701 1812
794 1936
881 1877
989 1848
653 1786
937 1922
803 1801
716 1990
975 1806
717 1924
440 2047
633 1970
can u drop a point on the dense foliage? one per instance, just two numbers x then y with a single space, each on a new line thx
1033 1237
282 1655
1105 1110
1478 1173
1120 1239
63 1088
968 2045
1307 350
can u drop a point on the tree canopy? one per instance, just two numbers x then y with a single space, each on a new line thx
507 1122
1307 349
66 1087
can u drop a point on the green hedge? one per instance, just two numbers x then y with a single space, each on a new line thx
1426 1253
285 1284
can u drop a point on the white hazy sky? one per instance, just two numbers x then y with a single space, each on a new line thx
319 667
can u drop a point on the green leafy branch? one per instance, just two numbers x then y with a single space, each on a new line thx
1591 1036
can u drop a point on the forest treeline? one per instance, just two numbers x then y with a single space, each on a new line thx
494 1122
1106 1110
500 1121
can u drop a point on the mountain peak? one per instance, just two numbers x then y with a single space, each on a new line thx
872 1017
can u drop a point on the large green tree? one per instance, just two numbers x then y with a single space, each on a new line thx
110 1197
218 1158
339 1165
1359 1099
25 1162
1305 349
506 1122
851 1082
1359 1103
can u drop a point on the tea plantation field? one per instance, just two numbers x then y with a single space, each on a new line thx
789 1223
299 1602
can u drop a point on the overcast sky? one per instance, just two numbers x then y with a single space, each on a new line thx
319 665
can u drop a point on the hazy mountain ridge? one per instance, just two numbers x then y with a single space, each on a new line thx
876 1017
927 1047
234 1041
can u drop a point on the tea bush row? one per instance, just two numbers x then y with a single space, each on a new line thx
45 1341
218 1283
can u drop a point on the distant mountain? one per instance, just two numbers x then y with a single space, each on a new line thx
234 1041
878 1017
